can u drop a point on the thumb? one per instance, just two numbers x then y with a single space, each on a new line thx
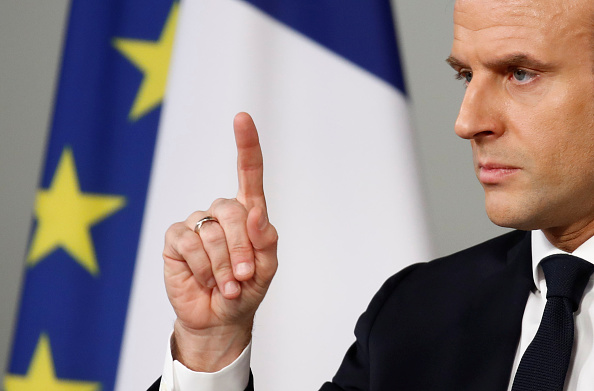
264 240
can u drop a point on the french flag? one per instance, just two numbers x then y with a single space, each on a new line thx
323 82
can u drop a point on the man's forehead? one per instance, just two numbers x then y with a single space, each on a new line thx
549 11
502 25
528 4
544 21
546 32
506 12
552 18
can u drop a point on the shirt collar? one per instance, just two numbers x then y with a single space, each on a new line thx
541 248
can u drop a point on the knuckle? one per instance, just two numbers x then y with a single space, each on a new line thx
194 217
235 214
240 249
173 231
202 271
269 240
176 239
222 269
188 243
231 210
212 234
219 203
273 235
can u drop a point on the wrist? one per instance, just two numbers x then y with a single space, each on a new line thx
209 350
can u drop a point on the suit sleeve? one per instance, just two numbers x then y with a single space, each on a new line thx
353 373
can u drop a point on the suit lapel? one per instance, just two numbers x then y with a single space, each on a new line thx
495 325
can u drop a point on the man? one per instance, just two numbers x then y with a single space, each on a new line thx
462 322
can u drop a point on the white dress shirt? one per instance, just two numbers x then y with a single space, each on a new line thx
580 375
234 377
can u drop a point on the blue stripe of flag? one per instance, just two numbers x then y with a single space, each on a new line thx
361 31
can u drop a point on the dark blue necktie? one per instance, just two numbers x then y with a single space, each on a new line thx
544 364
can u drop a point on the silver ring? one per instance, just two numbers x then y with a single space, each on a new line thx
202 221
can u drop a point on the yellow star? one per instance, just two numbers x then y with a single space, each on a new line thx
152 58
65 216
42 376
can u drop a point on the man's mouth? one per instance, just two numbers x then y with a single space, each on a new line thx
495 173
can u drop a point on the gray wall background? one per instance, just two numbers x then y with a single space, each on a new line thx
31 35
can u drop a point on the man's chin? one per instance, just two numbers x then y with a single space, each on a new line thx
508 216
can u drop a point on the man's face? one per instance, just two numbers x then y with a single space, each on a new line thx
529 108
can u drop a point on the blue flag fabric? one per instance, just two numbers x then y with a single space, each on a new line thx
363 32
90 203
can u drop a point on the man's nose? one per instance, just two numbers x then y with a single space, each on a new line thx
479 114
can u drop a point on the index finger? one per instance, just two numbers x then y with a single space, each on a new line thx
250 167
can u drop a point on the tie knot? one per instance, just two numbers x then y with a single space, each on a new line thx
566 276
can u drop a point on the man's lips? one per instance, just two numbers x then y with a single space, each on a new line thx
494 173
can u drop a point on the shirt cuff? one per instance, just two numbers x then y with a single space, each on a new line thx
234 377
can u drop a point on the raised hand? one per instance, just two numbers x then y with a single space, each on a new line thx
217 277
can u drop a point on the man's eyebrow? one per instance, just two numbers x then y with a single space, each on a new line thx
521 60
455 63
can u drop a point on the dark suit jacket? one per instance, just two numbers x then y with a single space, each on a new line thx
450 324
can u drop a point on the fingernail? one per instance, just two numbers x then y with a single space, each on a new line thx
243 269
231 287
262 222
211 283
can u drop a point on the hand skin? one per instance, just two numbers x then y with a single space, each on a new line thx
216 280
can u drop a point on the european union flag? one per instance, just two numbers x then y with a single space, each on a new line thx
89 206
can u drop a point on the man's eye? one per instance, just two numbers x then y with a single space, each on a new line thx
522 75
464 75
